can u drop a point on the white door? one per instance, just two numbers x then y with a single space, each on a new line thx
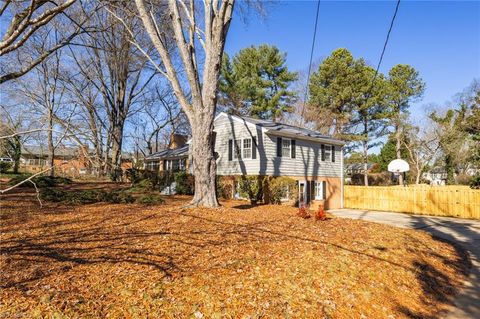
302 193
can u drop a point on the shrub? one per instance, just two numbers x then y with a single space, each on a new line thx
149 199
282 187
185 183
86 197
225 186
463 179
320 214
302 212
142 184
40 181
475 182
251 187
5 166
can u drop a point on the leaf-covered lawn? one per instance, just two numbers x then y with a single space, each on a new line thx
133 261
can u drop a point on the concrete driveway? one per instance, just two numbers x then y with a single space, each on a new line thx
464 232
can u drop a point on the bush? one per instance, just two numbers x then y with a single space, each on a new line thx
463 179
149 199
225 186
302 212
475 182
142 184
251 187
5 166
320 214
185 183
86 197
282 187
40 181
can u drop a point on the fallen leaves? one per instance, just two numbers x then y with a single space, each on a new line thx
132 261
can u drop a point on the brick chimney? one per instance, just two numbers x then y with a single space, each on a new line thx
177 140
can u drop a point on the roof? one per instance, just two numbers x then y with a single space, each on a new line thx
63 151
168 153
358 166
286 129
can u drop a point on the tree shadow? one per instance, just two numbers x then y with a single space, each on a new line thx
464 236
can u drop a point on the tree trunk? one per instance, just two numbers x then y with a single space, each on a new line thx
51 148
204 164
365 163
398 145
117 139
365 152
17 153
449 167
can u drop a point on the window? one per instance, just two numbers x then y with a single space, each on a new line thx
286 144
328 153
318 191
237 152
247 148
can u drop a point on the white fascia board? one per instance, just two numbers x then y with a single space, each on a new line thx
308 138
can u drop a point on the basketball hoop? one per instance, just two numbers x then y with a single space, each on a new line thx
398 166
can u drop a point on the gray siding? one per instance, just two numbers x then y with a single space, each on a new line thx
228 128
307 162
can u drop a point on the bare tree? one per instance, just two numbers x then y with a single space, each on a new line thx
23 20
118 71
195 84
422 146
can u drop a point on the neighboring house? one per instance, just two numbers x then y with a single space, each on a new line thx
69 161
247 146
174 158
357 168
436 176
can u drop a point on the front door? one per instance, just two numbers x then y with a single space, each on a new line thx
302 193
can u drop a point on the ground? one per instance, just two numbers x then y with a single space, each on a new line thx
163 261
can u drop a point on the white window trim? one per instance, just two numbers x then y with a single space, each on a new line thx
289 148
329 157
249 148
236 158
319 186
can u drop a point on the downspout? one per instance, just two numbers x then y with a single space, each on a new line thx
341 176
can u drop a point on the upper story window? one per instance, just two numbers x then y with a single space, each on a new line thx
241 148
286 147
237 152
247 148
328 153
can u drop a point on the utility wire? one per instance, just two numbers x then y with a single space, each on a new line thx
311 57
385 44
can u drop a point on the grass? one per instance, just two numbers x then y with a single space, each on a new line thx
163 261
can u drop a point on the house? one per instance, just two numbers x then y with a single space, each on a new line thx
357 168
174 158
247 146
69 161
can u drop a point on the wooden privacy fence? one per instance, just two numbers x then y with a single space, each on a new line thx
456 201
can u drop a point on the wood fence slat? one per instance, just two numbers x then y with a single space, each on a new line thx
457 201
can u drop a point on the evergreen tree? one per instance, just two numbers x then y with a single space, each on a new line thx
351 94
404 86
256 83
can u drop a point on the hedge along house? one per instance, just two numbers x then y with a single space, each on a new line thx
247 146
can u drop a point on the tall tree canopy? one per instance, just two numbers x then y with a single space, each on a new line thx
404 86
347 95
255 82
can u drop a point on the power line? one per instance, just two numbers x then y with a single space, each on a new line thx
311 57
386 42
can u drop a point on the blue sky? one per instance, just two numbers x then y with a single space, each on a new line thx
441 39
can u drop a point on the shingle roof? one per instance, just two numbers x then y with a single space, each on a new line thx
280 128
168 153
